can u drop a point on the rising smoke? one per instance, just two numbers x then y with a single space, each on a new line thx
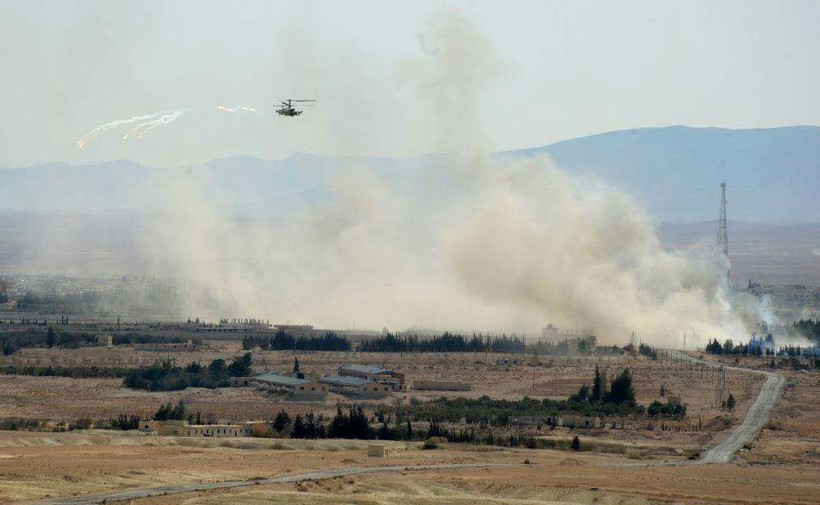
465 242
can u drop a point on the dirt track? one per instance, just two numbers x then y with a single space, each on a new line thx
755 418
134 494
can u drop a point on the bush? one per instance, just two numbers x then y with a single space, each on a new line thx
429 444
576 444
83 423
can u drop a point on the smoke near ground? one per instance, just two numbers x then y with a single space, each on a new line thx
467 242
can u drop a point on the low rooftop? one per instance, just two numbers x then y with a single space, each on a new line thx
368 369
283 380
340 380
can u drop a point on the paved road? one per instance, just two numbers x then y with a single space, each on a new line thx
756 417
133 494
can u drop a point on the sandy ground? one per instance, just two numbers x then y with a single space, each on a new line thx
36 466
780 466
555 377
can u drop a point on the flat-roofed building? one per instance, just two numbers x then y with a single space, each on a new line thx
356 386
374 373
296 386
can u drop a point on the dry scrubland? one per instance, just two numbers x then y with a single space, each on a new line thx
36 466
780 466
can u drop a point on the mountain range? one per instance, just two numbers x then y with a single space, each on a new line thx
773 175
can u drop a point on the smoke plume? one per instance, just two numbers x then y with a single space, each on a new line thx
467 241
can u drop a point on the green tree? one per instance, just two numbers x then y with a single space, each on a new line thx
597 386
241 367
178 412
730 402
299 430
340 425
217 368
622 392
576 443
582 395
51 337
163 412
281 422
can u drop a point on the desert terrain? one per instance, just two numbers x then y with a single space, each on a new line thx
636 463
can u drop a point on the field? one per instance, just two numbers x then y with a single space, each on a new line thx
37 466
639 464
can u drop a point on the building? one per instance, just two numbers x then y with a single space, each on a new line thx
575 341
565 421
375 374
183 429
218 430
573 421
424 385
167 347
355 386
300 388
295 330
377 451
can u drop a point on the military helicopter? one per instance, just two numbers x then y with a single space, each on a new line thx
286 107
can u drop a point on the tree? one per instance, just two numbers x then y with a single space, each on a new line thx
597 386
622 392
299 430
163 412
582 395
730 402
217 367
576 443
50 337
340 425
241 367
281 422
178 412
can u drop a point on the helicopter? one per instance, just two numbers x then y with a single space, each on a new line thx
286 107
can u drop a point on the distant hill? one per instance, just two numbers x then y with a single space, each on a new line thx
773 175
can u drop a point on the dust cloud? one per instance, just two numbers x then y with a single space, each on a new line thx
466 241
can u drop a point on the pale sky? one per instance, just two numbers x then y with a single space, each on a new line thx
565 69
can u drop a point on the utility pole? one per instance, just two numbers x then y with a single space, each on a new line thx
722 234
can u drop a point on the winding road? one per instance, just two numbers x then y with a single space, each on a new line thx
755 418
134 494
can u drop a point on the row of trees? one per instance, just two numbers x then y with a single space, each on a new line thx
620 392
164 376
446 342
808 328
648 351
75 372
53 303
11 343
282 341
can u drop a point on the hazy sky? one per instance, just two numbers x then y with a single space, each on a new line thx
566 69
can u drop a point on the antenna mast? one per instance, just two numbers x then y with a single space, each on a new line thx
722 236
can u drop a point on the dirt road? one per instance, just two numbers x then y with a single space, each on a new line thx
133 494
755 418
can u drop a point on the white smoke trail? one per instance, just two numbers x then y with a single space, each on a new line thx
168 117
116 124
237 108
